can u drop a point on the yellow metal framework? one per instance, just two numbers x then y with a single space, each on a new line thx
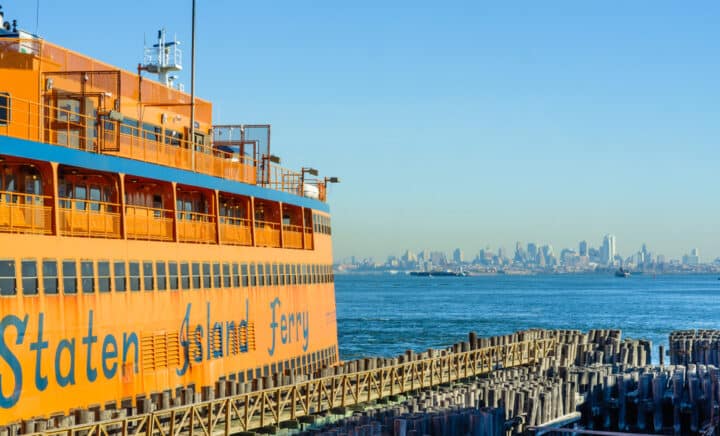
270 407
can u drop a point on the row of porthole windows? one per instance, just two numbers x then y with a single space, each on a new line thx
71 276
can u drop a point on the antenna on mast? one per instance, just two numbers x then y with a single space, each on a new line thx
163 58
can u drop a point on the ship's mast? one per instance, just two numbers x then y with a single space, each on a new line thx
192 90
163 58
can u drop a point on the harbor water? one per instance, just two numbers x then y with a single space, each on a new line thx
384 315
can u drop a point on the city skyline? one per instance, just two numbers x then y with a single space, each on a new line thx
462 124
602 254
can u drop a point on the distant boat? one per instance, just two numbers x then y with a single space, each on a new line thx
622 273
438 273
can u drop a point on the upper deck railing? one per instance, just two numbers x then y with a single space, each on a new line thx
50 123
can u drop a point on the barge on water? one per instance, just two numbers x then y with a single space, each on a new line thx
142 248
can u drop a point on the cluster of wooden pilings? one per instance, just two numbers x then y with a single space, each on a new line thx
507 401
695 346
594 381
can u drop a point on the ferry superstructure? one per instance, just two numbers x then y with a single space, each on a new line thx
135 259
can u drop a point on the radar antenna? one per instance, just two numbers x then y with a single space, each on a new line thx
163 58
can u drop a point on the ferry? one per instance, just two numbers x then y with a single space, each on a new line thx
143 249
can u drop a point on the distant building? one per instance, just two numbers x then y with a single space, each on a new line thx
607 251
458 256
438 258
532 251
519 252
583 248
409 256
691 259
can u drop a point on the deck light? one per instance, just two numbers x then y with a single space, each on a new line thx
311 171
332 180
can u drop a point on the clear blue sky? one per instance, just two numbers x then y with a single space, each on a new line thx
470 124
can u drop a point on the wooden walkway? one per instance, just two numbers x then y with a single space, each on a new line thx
286 405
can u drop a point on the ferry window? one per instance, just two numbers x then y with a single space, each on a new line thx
103 276
253 277
236 275
50 277
87 271
173 273
69 277
196 275
134 269
226 275
275 279
148 275
217 280
120 277
151 132
129 127
173 137
7 277
281 274
185 275
4 108
68 110
95 198
80 192
161 275
29 277
207 280
261 274
244 269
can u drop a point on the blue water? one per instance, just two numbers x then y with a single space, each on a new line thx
384 315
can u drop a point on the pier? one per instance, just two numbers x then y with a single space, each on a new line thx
531 382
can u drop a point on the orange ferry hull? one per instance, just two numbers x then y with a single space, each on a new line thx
63 352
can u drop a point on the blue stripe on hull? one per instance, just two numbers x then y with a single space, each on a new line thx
68 156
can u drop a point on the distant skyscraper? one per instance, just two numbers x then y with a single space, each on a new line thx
409 256
693 258
519 252
607 252
438 258
458 256
583 248
547 251
532 251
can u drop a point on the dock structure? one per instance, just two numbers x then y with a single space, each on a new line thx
531 382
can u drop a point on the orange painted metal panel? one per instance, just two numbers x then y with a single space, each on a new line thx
72 351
